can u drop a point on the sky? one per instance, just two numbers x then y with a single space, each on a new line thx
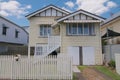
16 10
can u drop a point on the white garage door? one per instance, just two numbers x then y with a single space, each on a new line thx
88 56
74 52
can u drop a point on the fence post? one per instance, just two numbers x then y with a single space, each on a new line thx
117 59
29 51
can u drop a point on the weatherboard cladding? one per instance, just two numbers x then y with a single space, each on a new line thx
13 23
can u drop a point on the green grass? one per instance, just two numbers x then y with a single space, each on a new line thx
82 67
108 72
74 77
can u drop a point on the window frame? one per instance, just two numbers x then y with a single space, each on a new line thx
4 30
84 33
16 34
47 30
70 31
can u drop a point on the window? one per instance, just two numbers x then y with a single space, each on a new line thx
40 49
91 29
74 29
86 29
80 29
4 31
16 33
45 30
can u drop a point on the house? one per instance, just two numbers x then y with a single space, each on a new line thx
11 34
111 45
112 23
53 29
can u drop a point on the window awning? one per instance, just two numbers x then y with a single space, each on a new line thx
110 34
81 21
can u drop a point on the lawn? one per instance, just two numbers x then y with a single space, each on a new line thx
108 72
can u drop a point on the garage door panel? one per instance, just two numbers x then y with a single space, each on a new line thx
74 52
88 56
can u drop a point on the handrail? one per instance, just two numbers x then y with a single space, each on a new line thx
54 42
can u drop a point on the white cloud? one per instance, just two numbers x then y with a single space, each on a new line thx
13 8
111 4
96 6
70 4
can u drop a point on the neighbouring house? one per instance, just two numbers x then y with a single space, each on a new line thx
111 42
113 24
53 30
11 34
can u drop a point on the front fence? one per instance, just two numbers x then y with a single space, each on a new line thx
117 61
110 50
51 67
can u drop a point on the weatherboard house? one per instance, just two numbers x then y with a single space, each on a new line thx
53 29
111 27
11 33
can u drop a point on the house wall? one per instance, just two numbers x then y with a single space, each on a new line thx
113 25
10 37
93 41
34 33
56 30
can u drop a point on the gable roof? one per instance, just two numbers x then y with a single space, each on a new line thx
45 8
13 24
81 11
113 17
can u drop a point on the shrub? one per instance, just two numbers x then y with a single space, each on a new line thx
112 64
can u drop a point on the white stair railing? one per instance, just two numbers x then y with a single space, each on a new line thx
54 42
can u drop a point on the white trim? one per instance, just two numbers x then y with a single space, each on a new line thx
81 21
46 9
79 13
